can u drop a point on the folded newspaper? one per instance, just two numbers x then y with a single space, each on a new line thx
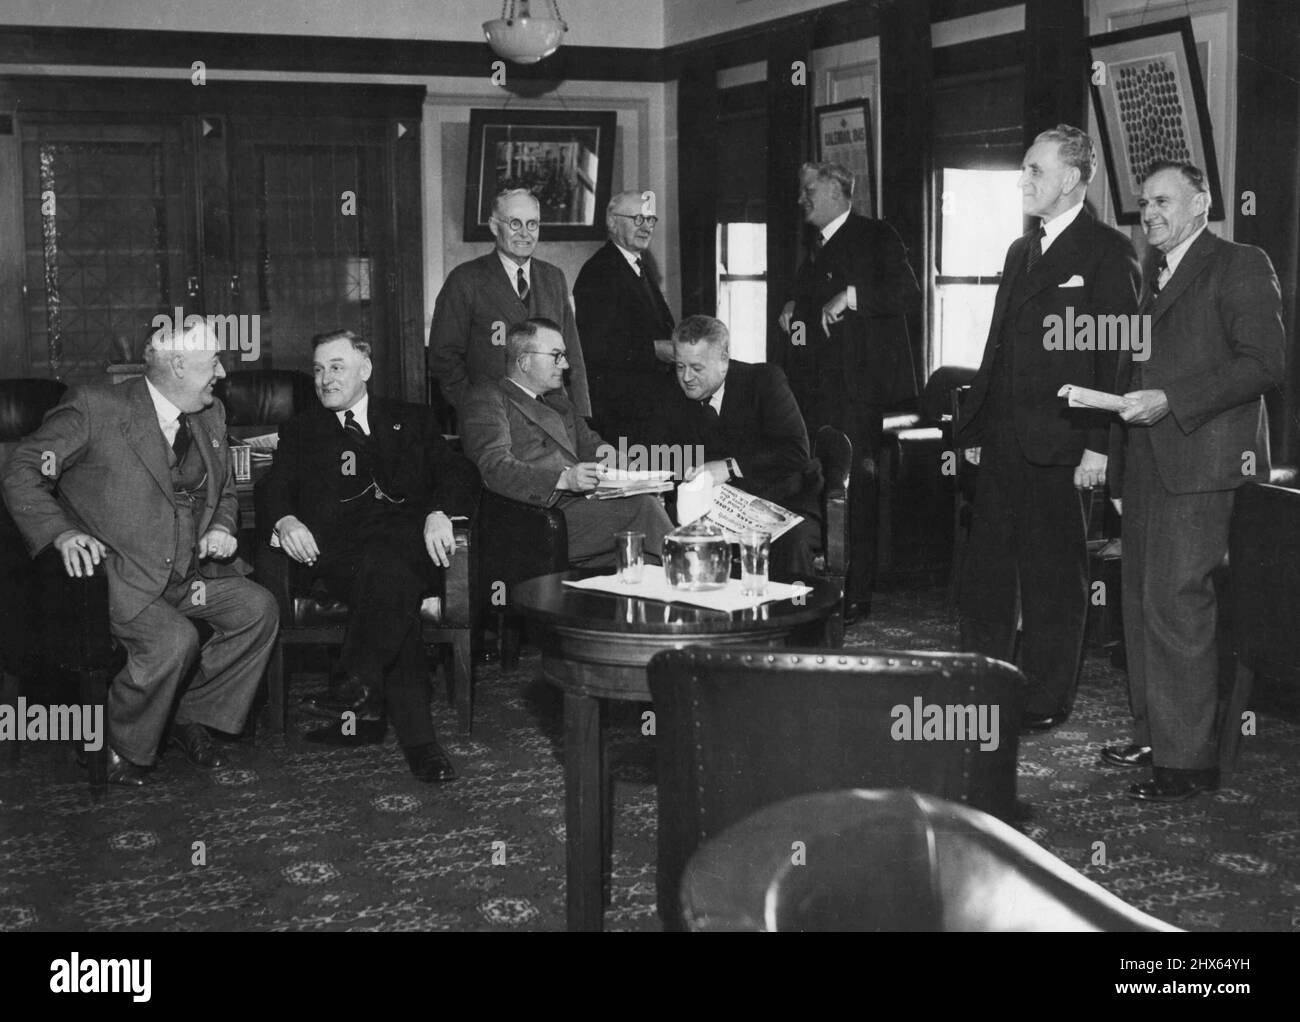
1084 397
621 482
734 511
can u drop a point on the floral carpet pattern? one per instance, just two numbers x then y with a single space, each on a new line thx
295 836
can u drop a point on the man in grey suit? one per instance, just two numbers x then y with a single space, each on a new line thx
1195 431
485 297
530 445
144 486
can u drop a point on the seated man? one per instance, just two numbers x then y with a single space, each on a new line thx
745 420
531 446
361 492
138 478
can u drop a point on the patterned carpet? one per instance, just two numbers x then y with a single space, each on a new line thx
303 837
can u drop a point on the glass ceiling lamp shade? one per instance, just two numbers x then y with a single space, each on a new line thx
518 36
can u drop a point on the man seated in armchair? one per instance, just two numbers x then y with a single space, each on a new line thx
361 492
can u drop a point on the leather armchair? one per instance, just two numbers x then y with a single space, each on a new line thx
891 861
741 728
261 400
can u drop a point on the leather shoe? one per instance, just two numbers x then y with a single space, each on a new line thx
429 763
1033 722
1171 785
197 745
124 772
1126 755
368 732
366 701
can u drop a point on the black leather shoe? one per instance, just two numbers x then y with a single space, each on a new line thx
1126 755
366 701
197 745
429 763
368 732
1033 722
1170 785
124 772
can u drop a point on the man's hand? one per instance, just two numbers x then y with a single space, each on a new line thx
717 469
787 314
80 552
972 455
664 352
581 478
833 311
296 540
1144 407
217 544
439 539
1091 470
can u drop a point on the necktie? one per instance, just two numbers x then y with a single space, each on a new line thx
521 285
181 442
1036 247
817 246
1155 280
710 413
353 428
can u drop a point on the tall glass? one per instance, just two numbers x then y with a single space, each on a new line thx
630 548
755 553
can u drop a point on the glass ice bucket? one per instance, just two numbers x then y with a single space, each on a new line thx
697 556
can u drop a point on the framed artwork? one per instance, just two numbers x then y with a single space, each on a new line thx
565 159
1150 101
844 136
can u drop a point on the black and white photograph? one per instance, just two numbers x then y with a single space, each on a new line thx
323 325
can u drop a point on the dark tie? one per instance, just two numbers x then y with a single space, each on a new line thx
1036 247
1155 279
710 413
521 285
817 246
181 442
353 428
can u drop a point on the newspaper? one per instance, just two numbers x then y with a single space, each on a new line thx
734 511
1084 397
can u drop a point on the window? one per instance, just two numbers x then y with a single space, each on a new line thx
742 288
979 216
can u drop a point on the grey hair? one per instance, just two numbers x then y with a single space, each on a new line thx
836 172
341 335
1075 148
703 330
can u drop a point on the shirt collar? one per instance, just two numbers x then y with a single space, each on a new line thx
167 412
512 268
360 411
715 398
530 393
1175 255
829 230
1053 228
633 258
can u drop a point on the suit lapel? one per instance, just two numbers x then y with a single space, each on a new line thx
542 415
503 284
1194 261
145 436
1063 253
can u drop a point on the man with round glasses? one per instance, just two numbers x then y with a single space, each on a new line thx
624 321
483 298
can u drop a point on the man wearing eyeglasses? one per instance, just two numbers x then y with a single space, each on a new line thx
531 445
483 298
623 319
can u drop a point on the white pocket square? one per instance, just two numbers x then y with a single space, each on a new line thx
1075 281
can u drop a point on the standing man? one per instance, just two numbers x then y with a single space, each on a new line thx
1027 556
1195 431
531 445
361 493
624 322
138 478
848 355
484 298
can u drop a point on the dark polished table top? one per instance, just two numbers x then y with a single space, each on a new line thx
549 601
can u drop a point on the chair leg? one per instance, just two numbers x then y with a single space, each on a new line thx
462 669
277 690
1230 725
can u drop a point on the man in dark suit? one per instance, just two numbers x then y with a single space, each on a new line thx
848 356
1195 431
485 297
1027 555
745 421
531 445
624 322
362 491
138 478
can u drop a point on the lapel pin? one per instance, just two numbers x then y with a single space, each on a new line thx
397 425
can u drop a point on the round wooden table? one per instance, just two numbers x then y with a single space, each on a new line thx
597 647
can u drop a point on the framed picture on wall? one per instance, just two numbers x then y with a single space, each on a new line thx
1149 96
844 136
564 158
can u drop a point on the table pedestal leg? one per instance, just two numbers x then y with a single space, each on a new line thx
584 790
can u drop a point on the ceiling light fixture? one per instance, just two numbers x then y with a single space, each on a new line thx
522 38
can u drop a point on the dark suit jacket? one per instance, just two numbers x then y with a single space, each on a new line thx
619 319
760 426
109 464
867 358
520 444
1099 262
1217 344
412 462
466 345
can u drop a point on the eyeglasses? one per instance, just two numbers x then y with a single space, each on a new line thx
558 356
517 225
639 219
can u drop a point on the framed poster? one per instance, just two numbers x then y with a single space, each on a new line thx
1150 101
565 159
844 136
